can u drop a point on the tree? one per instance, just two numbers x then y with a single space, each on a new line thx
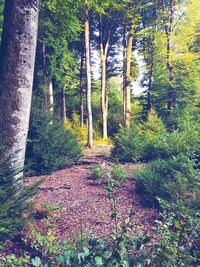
107 21
127 81
127 89
17 56
168 20
88 75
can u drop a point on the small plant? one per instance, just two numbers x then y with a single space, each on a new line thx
14 261
97 173
118 173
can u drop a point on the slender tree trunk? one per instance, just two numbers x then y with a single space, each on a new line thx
104 99
170 92
44 63
81 90
168 23
89 79
50 97
63 107
151 68
17 57
104 94
124 71
127 93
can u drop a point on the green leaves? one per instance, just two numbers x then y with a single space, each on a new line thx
36 262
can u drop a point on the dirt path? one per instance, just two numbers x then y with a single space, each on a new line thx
85 204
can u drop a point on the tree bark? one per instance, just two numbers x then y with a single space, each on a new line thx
17 57
81 90
50 97
151 69
124 70
103 46
127 89
63 108
89 79
168 23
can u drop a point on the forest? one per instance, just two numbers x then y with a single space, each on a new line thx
99 133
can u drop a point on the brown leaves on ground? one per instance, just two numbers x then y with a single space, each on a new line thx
85 205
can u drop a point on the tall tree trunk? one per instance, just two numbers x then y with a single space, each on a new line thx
103 45
81 90
44 63
17 57
63 107
89 79
124 70
127 91
50 97
168 23
151 68
104 99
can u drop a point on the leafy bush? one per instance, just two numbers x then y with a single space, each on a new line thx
170 179
50 145
179 232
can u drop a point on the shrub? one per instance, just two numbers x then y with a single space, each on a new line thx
53 148
13 198
128 145
118 174
179 232
168 179
50 145
151 141
97 173
74 125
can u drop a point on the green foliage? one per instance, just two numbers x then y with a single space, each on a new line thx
50 145
151 140
179 231
97 173
1 15
118 173
128 145
170 180
14 204
14 261
79 131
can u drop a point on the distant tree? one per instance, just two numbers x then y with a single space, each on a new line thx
88 76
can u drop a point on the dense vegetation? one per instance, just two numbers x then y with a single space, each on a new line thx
125 72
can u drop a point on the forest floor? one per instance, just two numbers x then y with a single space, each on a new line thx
81 205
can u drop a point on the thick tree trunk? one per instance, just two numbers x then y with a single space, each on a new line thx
17 57
63 107
81 90
89 79
127 89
